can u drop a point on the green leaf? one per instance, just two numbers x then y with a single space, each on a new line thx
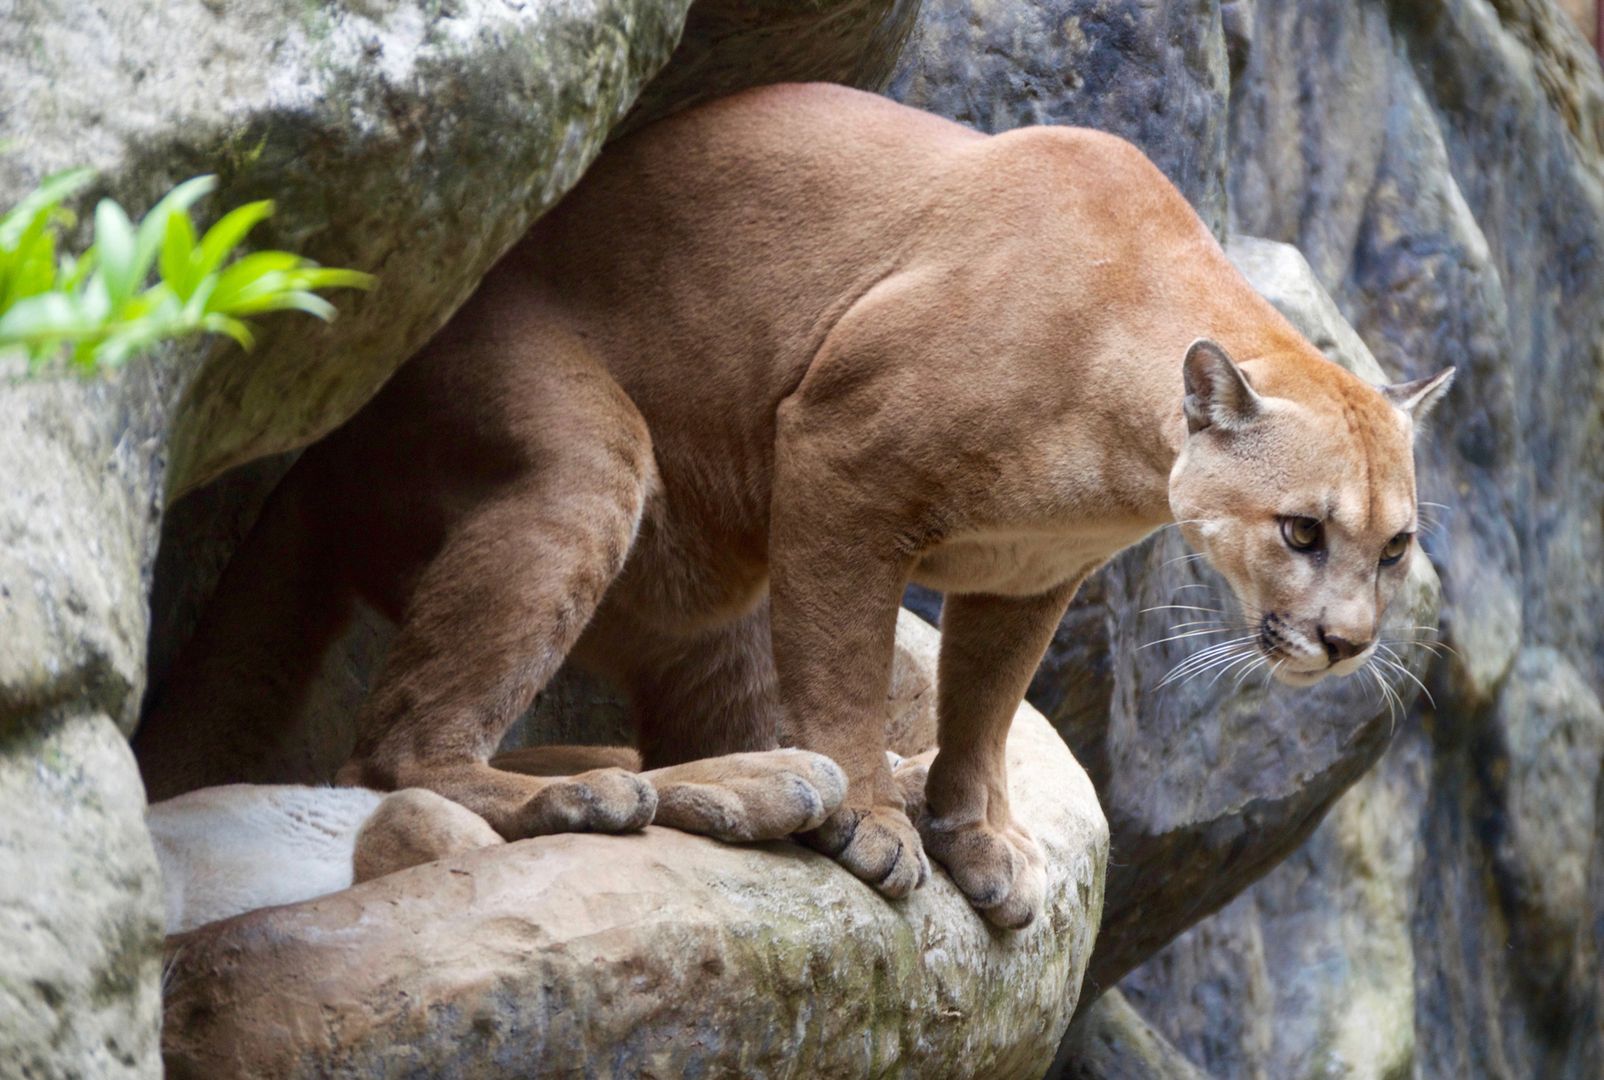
221 239
31 268
197 303
74 271
177 265
114 245
153 229
47 317
234 328
41 201
327 277
285 300
94 300
251 275
97 310
107 356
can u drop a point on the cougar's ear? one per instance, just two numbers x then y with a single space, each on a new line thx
1218 395
1417 398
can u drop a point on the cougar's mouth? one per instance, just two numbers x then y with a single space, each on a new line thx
1293 659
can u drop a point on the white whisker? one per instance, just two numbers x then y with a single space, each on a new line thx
1393 663
1433 647
1205 658
1188 634
1387 695
1249 670
1222 660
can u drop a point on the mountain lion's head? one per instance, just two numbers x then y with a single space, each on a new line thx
1299 487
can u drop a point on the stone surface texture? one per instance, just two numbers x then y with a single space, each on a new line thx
659 954
80 902
729 45
1439 165
1111 1041
1152 73
414 141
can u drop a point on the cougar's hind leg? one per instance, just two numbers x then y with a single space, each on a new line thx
494 612
708 715
705 695
239 683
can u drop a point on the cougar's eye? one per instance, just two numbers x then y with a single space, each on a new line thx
1302 533
1395 548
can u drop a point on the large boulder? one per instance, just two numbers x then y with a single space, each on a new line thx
413 141
1152 73
660 954
80 902
729 45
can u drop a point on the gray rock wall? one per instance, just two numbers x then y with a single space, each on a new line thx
1152 73
412 141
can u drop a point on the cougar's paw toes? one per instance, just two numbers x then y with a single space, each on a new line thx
602 800
879 845
1001 871
753 796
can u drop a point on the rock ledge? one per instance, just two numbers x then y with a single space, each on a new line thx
659 954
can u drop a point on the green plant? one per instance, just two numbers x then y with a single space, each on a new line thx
100 308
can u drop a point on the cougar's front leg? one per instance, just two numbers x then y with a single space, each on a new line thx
836 584
990 646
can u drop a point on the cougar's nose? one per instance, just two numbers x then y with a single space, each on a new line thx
1339 648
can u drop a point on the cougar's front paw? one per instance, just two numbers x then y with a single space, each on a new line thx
753 796
1001 871
879 845
602 800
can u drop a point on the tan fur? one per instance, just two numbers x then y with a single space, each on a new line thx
411 827
774 358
